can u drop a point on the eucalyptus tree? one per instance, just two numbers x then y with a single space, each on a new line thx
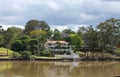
109 31
8 38
36 25
41 37
91 38
115 31
81 31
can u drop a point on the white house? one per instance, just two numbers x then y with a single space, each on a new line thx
58 47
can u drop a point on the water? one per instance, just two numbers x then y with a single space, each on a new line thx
59 69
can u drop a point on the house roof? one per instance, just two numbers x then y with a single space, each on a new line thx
53 42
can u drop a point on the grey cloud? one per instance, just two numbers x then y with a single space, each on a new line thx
58 12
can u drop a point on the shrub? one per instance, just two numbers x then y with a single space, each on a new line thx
16 55
25 54
45 53
68 53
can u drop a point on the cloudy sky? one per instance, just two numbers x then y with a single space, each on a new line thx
58 13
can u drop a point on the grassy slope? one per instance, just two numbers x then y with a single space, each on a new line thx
3 51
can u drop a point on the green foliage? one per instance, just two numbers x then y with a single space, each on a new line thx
20 45
36 25
76 40
17 46
56 35
66 34
30 26
16 55
45 53
1 40
38 33
24 39
91 38
109 33
11 35
32 46
26 54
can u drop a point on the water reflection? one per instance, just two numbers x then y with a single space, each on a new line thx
58 69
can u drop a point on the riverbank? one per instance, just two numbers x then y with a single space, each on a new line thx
7 58
83 57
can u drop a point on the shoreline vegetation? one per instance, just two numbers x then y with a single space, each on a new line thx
83 57
38 42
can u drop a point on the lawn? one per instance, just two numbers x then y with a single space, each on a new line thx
3 51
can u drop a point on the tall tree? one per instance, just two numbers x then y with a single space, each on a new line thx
30 26
41 37
36 25
56 35
8 38
81 31
91 39
109 30
66 34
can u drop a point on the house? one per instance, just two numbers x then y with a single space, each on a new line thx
58 47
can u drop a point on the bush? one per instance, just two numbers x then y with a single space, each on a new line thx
68 53
25 54
16 55
117 51
45 53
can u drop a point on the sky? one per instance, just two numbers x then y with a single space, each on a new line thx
60 14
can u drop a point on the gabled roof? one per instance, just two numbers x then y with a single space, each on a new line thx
54 42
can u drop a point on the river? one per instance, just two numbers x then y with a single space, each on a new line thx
59 69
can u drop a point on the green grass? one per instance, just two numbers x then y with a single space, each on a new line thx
3 51
43 57
117 51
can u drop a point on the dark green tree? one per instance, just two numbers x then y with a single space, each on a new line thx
36 25
66 34
56 35
17 46
32 46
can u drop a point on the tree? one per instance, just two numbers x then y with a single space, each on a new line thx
30 26
115 31
36 25
1 29
91 39
1 40
109 32
21 44
8 38
25 39
81 31
76 40
44 26
56 35
32 46
17 46
41 37
17 32
10 35
66 34
38 33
